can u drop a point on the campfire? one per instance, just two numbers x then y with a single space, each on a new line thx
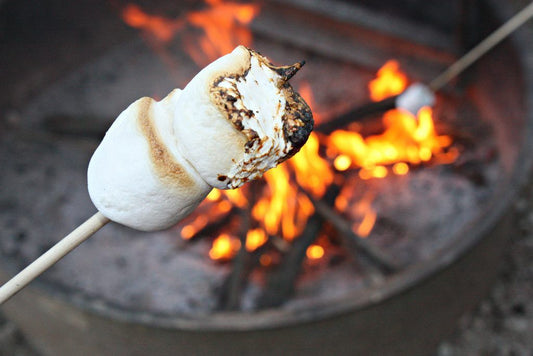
281 207
269 219
341 238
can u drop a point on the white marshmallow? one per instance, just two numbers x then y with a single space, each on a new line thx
236 119
415 97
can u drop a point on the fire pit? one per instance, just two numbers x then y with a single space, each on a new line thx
374 239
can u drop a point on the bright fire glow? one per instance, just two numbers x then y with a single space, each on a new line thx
223 26
224 247
255 238
158 27
315 252
389 81
283 209
406 138
280 207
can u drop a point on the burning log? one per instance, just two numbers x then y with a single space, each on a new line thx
359 114
355 243
229 298
281 283
190 233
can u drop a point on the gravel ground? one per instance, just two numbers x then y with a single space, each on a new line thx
502 324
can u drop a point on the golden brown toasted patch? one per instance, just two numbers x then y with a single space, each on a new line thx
165 165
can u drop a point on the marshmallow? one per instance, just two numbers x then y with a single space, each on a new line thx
415 97
236 119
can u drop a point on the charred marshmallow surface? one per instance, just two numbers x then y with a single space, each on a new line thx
264 107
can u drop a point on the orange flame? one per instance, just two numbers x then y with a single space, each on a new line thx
160 28
315 252
406 139
389 81
224 25
283 209
224 247
255 238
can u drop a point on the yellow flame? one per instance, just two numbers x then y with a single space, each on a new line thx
224 27
224 247
389 81
255 238
158 27
315 252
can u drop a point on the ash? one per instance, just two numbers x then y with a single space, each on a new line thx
143 272
502 324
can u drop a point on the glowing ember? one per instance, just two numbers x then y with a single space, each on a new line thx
280 207
315 252
188 231
265 260
390 81
363 208
224 247
255 239
400 168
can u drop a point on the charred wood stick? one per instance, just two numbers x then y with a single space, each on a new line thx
358 114
230 298
280 285
372 252
215 225
243 265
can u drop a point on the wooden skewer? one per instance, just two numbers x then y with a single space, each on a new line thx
54 254
483 47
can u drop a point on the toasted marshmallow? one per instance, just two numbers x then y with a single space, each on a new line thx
236 119
248 118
